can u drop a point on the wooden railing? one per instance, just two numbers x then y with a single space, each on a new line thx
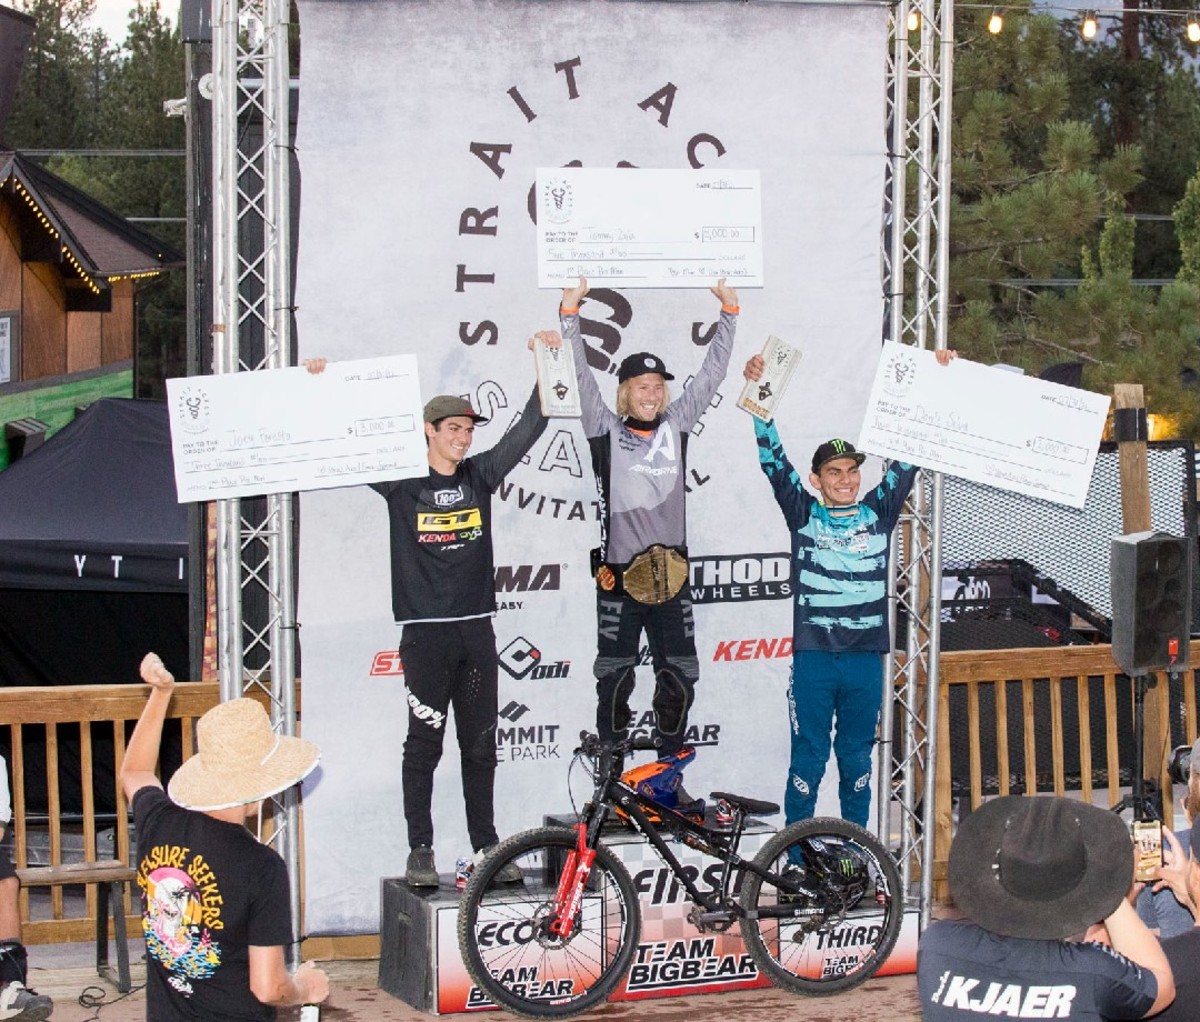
1028 721
66 715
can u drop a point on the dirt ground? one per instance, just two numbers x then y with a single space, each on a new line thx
66 973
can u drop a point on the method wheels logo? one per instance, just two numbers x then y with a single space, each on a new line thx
740 577
520 657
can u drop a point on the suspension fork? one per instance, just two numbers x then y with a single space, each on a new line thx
576 870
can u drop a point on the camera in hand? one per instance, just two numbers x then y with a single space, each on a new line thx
1179 765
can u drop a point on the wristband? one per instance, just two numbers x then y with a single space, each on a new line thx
733 309
569 312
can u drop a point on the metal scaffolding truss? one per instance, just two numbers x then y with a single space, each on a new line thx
917 217
252 330
256 606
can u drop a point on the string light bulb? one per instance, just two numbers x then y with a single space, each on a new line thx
1088 29
914 19
996 22
1193 27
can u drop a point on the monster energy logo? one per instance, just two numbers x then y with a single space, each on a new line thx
846 866
839 445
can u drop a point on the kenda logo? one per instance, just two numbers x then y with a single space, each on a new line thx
527 578
740 577
753 649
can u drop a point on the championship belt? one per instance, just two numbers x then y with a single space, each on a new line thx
656 575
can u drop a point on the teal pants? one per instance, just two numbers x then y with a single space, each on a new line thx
838 693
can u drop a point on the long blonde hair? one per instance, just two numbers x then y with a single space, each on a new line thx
623 398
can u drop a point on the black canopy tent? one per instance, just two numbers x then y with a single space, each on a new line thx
93 558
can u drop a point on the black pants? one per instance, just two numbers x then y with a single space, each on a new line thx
671 635
450 663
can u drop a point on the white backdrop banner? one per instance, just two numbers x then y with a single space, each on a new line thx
422 127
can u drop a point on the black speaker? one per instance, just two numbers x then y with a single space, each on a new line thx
1151 592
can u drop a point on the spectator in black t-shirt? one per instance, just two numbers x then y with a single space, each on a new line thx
216 909
1182 874
1048 933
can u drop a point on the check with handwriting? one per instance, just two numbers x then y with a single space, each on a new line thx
280 430
986 424
633 227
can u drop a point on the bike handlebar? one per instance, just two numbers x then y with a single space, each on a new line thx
592 745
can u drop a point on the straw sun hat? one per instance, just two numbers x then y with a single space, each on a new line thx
240 759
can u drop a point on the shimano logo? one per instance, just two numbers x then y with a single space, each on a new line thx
740 577
527 578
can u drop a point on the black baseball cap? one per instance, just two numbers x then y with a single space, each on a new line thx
640 363
445 405
830 450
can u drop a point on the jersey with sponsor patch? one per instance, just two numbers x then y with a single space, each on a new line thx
965 972
209 893
839 555
441 530
641 473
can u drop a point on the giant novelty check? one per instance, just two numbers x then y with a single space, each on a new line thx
986 424
629 227
279 430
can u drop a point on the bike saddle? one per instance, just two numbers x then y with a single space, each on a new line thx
750 806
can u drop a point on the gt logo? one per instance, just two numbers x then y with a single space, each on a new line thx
431 521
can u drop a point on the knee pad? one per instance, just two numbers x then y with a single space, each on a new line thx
13 961
671 702
622 715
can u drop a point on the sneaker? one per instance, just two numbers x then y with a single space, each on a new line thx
693 808
20 1004
420 871
509 873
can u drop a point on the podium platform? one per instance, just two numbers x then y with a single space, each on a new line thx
420 963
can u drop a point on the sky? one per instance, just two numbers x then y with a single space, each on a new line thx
113 16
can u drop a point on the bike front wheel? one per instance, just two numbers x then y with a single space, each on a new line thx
829 912
504 931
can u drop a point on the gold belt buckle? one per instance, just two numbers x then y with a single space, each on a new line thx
656 575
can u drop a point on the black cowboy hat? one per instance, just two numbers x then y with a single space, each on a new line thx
1040 867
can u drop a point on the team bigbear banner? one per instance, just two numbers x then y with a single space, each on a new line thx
421 129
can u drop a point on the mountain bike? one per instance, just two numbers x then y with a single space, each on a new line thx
819 906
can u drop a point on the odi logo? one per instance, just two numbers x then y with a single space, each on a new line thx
520 657
450 521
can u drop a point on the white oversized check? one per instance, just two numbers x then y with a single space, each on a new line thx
630 227
986 424
279 430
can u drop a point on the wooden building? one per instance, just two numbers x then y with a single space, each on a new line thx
70 270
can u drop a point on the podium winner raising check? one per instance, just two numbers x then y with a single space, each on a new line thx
639 454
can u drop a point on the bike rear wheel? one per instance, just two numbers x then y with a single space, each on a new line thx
833 917
504 936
